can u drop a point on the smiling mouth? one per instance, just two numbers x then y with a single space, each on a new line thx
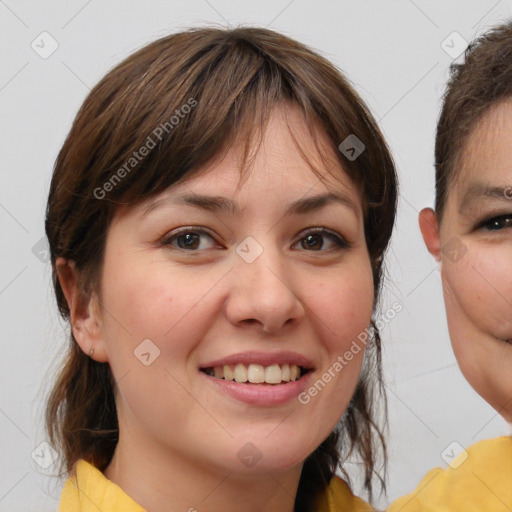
257 373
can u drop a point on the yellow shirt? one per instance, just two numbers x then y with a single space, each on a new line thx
90 491
481 483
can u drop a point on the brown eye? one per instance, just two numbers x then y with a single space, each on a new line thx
187 239
315 240
190 241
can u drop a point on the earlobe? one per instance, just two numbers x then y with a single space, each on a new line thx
429 227
84 312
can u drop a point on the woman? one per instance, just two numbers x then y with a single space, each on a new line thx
215 254
470 234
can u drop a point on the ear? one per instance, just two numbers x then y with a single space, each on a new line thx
430 230
84 312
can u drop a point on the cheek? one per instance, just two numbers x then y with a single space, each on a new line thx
479 290
344 300
154 321
478 297
356 300
148 303
342 309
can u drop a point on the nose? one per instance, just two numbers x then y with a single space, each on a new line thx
263 293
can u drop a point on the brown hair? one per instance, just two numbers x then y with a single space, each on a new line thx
481 81
230 79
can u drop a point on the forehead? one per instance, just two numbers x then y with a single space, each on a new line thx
287 151
487 153
286 158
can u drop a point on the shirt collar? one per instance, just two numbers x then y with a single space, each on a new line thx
90 491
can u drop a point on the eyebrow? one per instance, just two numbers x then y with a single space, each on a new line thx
223 204
480 191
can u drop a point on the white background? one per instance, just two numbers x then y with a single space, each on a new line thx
390 50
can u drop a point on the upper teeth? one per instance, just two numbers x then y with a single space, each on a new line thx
256 373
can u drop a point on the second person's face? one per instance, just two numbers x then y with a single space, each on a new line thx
474 244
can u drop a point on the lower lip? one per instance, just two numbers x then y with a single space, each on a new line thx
261 394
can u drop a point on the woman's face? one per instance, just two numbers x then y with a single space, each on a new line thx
208 276
474 243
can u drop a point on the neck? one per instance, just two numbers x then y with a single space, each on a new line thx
161 481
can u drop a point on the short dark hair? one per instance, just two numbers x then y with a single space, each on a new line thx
481 81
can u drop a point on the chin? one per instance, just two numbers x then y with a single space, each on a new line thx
274 465
252 458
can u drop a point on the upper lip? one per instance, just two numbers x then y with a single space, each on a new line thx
263 358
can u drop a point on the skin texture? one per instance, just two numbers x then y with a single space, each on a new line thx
474 245
179 435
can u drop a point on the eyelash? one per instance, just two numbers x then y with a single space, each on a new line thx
487 224
337 239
